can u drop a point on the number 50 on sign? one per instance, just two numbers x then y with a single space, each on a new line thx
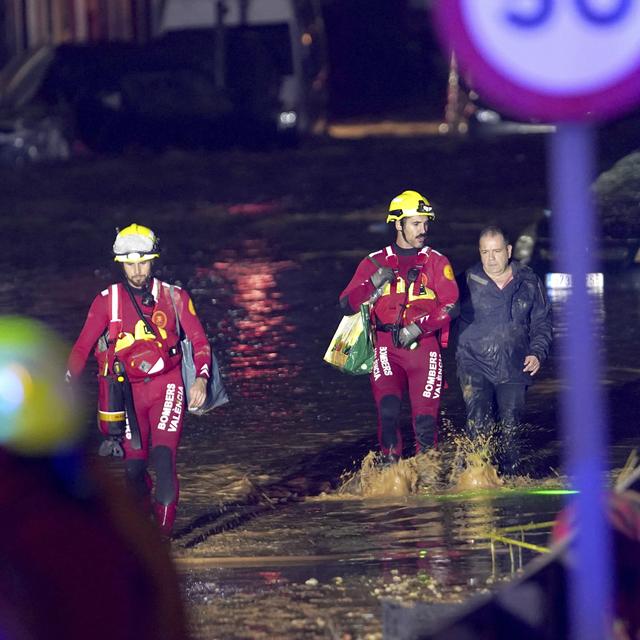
548 59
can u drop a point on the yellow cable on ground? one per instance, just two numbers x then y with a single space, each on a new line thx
526 527
518 543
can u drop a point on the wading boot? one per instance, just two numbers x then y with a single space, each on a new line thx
165 517
508 456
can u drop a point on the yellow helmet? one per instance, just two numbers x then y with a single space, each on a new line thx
135 243
38 414
410 203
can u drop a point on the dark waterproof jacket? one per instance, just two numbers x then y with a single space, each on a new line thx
498 328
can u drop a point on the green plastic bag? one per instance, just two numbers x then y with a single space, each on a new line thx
351 349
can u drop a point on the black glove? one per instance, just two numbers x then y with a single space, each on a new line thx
409 334
111 447
382 276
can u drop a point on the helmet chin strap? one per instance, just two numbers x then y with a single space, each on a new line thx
404 235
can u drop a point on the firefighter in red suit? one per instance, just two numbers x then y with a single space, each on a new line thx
415 296
132 326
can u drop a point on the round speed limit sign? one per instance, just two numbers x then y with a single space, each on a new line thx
548 59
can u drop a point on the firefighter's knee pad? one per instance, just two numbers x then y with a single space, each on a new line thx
425 431
162 460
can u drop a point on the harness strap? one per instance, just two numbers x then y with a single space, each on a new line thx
175 310
392 259
116 320
375 262
134 302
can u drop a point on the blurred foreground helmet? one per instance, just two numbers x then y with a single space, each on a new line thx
135 243
410 203
37 414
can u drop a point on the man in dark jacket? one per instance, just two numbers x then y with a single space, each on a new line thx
505 334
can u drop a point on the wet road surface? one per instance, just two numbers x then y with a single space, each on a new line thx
264 244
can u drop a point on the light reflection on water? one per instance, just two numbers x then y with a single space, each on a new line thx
616 308
262 332
417 549
359 551
558 298
291 414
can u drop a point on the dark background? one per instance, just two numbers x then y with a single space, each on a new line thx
383 56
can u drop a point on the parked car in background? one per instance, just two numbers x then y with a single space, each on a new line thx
233 83
29 130
534 247
275 48
467 113
485 120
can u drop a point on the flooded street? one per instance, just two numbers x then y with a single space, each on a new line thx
325 565
266 544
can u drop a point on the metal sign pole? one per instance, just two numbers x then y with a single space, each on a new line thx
574 62
571 164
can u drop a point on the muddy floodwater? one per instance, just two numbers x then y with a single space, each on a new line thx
274 563
278 535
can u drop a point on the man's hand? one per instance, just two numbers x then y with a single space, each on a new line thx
382 276
531 365
409 334
198 393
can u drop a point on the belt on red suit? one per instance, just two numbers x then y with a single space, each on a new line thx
443 333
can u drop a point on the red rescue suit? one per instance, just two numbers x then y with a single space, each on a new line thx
425 301
159 397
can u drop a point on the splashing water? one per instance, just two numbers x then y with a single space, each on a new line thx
469 465
407 476
472 467
479 474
